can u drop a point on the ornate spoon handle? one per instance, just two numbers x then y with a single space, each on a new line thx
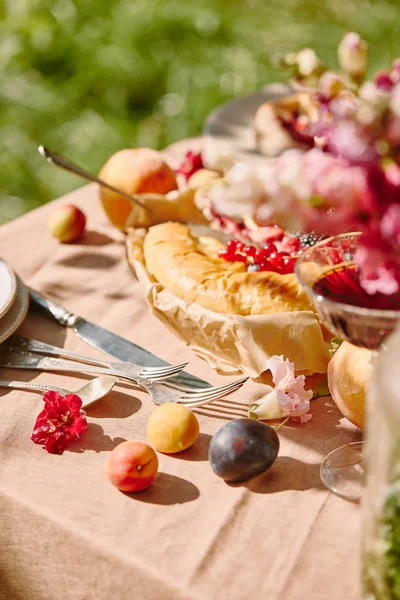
60 161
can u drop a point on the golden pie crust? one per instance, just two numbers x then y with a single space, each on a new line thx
189 267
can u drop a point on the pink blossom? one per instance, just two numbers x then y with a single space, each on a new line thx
288 398
395 100
352 53
390 226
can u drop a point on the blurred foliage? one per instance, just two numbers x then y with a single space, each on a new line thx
87 78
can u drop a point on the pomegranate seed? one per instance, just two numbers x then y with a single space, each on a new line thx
276 260
267 266
288 265
269 248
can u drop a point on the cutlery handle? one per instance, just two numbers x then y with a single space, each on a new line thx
52 310
17 342
23 385
20 359
60 161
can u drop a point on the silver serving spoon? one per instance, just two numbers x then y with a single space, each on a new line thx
90 392
60 161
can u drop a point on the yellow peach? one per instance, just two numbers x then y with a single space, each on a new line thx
348 376
134 171
172 428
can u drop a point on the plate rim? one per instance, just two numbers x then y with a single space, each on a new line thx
272 90
13 294
22 290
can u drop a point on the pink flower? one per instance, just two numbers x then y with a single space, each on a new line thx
352 53
390 226
193 162
377 273
288 398
383 80
395 100
60 422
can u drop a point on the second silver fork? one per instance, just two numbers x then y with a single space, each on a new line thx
159 393
17 342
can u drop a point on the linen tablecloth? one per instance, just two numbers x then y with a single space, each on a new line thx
66 533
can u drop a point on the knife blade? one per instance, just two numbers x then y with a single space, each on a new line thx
106 340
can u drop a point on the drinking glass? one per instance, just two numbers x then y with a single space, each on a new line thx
328 274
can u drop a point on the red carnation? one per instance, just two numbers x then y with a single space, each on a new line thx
193 162
60 422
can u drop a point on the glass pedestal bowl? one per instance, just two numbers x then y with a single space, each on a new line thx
329 276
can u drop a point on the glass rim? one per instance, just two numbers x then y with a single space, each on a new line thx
376 312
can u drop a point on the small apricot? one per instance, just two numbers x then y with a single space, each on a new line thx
67 223
172 428
132 466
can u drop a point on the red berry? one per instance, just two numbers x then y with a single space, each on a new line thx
288 265
238 257
251 251
266 265
269 248
224 254
276 260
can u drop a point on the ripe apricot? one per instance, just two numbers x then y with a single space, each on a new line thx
172 428
134 171
67 223
132 466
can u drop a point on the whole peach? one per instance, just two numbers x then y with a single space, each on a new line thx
132 466
172 428
134 171
67 223
348 377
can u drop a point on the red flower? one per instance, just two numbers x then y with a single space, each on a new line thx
60 422
192 163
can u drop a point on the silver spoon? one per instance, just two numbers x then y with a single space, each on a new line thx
90 392
60 161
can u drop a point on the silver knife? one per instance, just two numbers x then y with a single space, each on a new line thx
105 340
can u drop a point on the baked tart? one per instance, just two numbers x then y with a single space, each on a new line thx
192 269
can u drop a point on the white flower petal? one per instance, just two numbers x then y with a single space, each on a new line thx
266 407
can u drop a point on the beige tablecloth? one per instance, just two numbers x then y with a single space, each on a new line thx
66 533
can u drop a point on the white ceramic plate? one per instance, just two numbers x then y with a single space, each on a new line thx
16 313
229 128
8 287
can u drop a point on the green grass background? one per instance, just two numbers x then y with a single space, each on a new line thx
88 77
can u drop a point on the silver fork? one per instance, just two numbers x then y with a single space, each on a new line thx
17 342
158 392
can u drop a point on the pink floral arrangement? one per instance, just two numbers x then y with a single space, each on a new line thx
348 179
61 422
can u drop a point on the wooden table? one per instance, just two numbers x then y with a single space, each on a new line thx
66 533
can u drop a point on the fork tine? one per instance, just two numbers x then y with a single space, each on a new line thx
162 377
212 392
163 370
193 404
